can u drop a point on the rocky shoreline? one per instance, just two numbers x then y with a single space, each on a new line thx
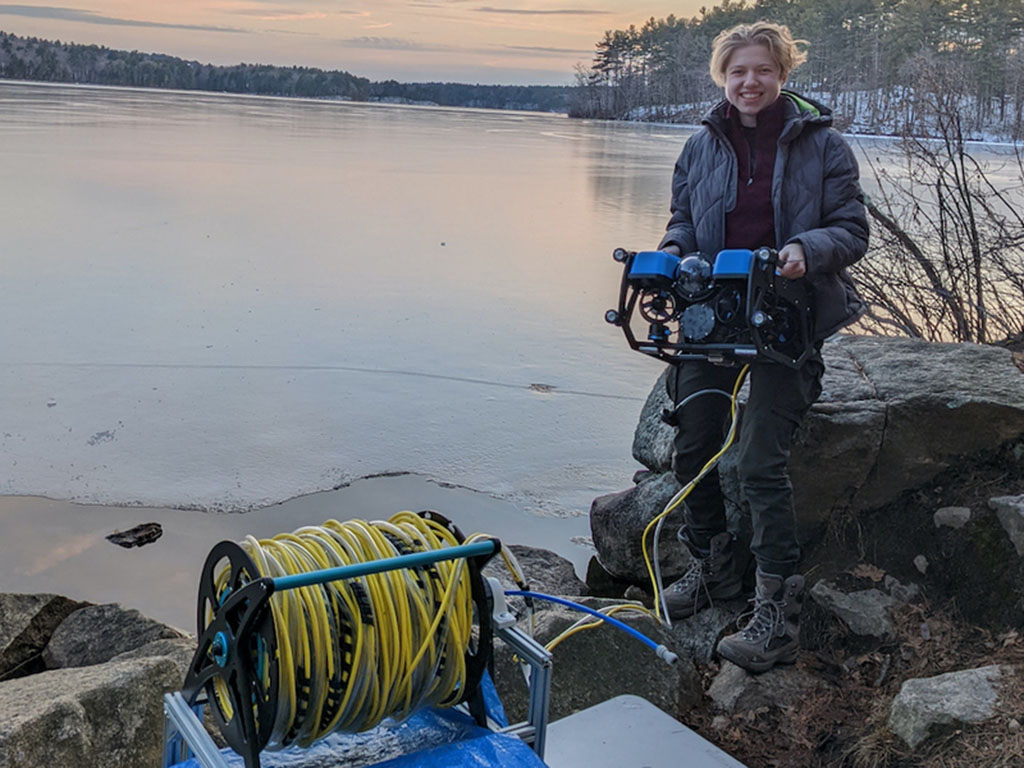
911 647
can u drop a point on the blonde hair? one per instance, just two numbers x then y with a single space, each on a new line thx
775 37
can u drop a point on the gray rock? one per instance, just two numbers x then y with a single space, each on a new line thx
893 414
1010 511
179 649
923 705
26 624
596 664
735 690
943 401
865 612
107 714
652 440
617 523
697 635
544 570
921 563
98 633
952 517
903 593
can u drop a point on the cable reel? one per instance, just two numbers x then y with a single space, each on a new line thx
328 629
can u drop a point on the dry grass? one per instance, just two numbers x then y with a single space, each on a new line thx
845 726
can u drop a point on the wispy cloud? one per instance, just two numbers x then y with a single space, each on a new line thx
404 44
277 14
259 10
91 17
391 44
542 12
546 49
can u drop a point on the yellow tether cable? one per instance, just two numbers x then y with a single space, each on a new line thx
352 652
683 492
587 622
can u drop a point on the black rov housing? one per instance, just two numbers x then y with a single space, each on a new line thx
729 310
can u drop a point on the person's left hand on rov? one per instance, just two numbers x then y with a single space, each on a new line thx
792 263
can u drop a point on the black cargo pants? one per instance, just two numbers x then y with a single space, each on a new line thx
779 397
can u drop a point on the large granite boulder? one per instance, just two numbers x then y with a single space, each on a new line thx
98 633
106 714
893 414
544 570
596 664
617 523
27 622
101 701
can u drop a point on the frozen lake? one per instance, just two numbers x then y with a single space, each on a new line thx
222 302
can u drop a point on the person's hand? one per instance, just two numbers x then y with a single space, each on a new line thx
673 249
792 262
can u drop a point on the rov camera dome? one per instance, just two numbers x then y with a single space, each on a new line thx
694 276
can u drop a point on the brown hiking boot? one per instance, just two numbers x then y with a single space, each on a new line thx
710 577
772 636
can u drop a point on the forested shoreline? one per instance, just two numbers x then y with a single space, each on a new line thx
885 66
30 58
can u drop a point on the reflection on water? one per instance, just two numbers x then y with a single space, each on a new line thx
51 546
253 298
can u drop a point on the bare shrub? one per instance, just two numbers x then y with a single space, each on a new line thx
947 255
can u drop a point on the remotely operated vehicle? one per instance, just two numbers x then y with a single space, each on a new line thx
730 309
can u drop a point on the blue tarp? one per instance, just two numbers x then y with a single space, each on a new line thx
432 738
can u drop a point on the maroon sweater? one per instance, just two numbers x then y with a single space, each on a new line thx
751 224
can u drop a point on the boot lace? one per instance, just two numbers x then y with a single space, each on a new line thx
692 581
764 619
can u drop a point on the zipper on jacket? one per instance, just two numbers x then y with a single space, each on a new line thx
750 135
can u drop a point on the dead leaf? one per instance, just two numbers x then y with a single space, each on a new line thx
868 571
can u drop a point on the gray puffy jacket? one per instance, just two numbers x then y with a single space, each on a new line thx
815 192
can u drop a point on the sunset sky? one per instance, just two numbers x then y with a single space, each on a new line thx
485 41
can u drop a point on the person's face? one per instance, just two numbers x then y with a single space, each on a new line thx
753 81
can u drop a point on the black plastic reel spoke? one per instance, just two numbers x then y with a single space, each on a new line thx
237 652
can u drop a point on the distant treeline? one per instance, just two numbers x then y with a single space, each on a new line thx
29 58
883 63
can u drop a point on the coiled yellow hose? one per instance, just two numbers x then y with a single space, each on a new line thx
353 652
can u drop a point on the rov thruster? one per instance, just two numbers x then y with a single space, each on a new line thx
731 309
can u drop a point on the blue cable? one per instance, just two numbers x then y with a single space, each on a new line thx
661 650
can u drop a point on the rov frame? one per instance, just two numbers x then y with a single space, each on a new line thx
740 311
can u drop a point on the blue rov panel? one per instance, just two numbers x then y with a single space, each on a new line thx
652 264
733 263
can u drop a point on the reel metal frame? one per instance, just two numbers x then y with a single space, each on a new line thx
236 633
732 311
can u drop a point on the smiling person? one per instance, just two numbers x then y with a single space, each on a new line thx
766 169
